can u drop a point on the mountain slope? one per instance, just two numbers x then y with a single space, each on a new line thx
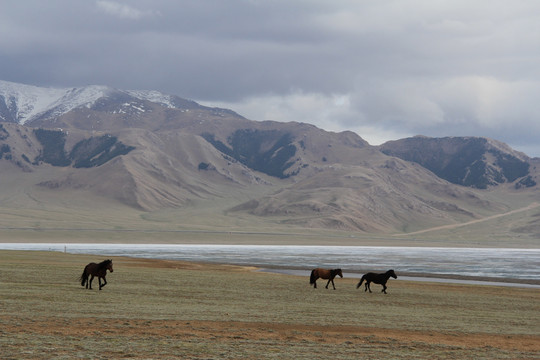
468 161
388 195
157 153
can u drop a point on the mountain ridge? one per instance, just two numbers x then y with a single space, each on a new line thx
27 103
182 154
468 161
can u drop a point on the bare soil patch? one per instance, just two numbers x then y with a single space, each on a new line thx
226 331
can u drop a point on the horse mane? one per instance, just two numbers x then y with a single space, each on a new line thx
104 263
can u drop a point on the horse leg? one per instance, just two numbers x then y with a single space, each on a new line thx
368 286
328 283
333 284
383 288
104 283
89 283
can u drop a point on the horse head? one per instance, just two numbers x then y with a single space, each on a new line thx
392 274
338 272
109 265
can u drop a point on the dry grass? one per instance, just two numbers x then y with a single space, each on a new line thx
167 309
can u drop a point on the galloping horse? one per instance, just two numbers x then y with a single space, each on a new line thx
324 274
99 270
377 279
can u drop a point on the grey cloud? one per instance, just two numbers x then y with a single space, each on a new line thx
435 68
122 11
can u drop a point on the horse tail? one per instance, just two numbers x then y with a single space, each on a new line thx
361 281
312 277
84 277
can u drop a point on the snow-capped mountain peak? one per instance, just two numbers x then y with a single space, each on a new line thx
21 103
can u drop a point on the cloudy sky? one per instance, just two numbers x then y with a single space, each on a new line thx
383 69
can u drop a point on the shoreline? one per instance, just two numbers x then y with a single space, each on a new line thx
304 271
424 277
208 237
278 267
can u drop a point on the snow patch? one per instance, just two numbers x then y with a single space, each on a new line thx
153 96
28 102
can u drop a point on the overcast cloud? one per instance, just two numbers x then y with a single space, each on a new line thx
383 69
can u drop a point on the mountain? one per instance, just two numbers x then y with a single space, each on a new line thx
468 161
22 104
160 154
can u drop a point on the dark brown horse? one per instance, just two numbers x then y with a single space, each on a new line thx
99 270
377 279
324 274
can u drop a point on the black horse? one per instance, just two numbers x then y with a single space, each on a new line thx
99 270
377 279
324 274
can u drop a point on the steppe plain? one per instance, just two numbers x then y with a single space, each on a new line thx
155 309
158 309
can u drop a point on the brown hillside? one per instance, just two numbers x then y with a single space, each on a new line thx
282 175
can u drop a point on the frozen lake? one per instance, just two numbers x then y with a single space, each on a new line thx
521 264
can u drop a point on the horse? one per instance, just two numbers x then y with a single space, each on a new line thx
99 270
377 279
324 274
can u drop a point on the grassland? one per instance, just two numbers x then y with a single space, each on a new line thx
113 225
167 309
